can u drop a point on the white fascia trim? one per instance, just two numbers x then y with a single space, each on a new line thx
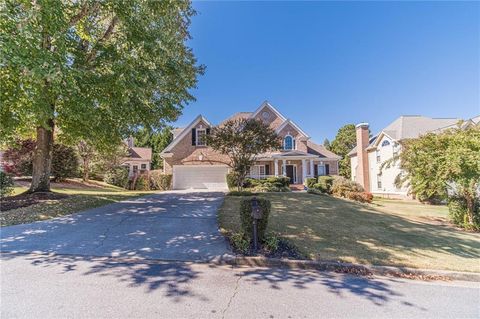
289 121
379 137
274 110
185 131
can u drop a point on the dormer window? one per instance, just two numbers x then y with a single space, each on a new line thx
288 143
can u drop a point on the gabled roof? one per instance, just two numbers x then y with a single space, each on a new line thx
140 153
285 123
185 131
236 116
269 106
410 126
177 131
320 150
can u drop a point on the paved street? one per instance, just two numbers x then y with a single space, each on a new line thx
167 226
66 287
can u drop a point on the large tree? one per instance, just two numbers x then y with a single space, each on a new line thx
92 70
343 143
242 140
440 165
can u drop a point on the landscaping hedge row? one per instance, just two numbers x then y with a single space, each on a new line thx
152 180
270 184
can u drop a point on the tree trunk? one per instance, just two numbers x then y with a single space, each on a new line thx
42 159
470 206
86 168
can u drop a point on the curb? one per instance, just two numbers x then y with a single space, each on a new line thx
363 270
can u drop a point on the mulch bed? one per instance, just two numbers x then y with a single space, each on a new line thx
26 199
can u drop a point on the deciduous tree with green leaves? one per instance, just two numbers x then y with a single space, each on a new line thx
92 70
242 140
343 143
444 165
157 140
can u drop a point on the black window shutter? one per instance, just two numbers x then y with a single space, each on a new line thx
208 131
315 170
327 169
267 169
194 137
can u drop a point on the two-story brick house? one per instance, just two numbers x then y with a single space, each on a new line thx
195 165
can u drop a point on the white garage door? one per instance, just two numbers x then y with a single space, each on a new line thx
200 177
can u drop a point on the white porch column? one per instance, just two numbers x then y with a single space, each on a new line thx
276 167
283 167
304 169
312 173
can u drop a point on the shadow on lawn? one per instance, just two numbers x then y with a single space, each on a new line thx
344 229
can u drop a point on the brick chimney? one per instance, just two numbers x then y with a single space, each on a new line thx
363 175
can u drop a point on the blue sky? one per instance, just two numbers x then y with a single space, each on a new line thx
326 64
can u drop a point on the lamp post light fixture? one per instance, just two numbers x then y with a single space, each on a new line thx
256 215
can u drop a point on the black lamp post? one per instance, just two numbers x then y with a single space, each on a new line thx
256 215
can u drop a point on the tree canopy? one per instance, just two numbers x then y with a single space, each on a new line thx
343 143
242 140
443 165
157 140
92 70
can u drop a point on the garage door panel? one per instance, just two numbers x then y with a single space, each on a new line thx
199 177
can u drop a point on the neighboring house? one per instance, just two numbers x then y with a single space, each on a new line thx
195 165
367 157
139 158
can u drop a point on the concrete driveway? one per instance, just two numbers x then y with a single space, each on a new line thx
169 226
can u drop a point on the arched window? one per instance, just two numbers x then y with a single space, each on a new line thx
288 143
385 143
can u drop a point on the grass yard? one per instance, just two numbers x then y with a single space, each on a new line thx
80 197
387 232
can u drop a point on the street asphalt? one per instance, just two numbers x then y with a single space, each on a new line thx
34 286
62 268
168 226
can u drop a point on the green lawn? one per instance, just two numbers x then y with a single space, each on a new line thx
81 197
387 232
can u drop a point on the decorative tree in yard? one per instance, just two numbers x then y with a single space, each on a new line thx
92 71
242 140
343 143
445 165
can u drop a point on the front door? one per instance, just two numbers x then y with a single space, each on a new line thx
290 171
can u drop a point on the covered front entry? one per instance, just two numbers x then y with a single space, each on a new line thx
291 172
200 177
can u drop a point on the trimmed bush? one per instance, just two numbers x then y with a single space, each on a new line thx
342 186
271 184
117 176
160 181
325 183
6 184
309 182
65 162
247 220
457 210
142 183
362 197
232 181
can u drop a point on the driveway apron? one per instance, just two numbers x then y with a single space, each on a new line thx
167 226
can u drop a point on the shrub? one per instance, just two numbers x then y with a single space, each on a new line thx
325 183
232 181
342 186
117 176
271 184
247 220
240 242
457 209
160 181
240 193
363 197
65 162
6 184
271 242
309 182
315 191
141 183
18 158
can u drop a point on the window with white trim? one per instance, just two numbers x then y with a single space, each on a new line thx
257 171
288 143
201 137
378 156
379 181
